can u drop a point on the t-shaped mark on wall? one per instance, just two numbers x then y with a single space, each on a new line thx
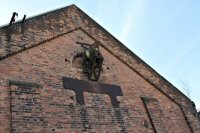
80 86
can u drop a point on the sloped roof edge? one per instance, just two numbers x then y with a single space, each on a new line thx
37 15
127 50
120 45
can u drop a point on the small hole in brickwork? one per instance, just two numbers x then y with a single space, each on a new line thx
145 122
118 102
66 60
107 68
80 38
71 97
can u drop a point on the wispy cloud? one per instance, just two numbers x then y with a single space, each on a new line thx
133 15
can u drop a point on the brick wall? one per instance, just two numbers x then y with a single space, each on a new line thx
50 25
4 107
39 99
53 108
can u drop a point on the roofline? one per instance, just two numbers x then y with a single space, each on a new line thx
132 53
37 15
124 50
122 46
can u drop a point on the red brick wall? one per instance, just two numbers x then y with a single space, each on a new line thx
50 25
39 102
4 108
51 108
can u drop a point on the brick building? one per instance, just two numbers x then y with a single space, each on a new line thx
43 88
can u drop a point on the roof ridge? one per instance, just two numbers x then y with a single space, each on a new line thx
38 15
127 52
38 43
131 52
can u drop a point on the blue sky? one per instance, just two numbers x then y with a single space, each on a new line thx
165 34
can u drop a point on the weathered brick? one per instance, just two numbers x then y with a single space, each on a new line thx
40 103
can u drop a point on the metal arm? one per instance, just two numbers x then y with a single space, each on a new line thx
12 20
